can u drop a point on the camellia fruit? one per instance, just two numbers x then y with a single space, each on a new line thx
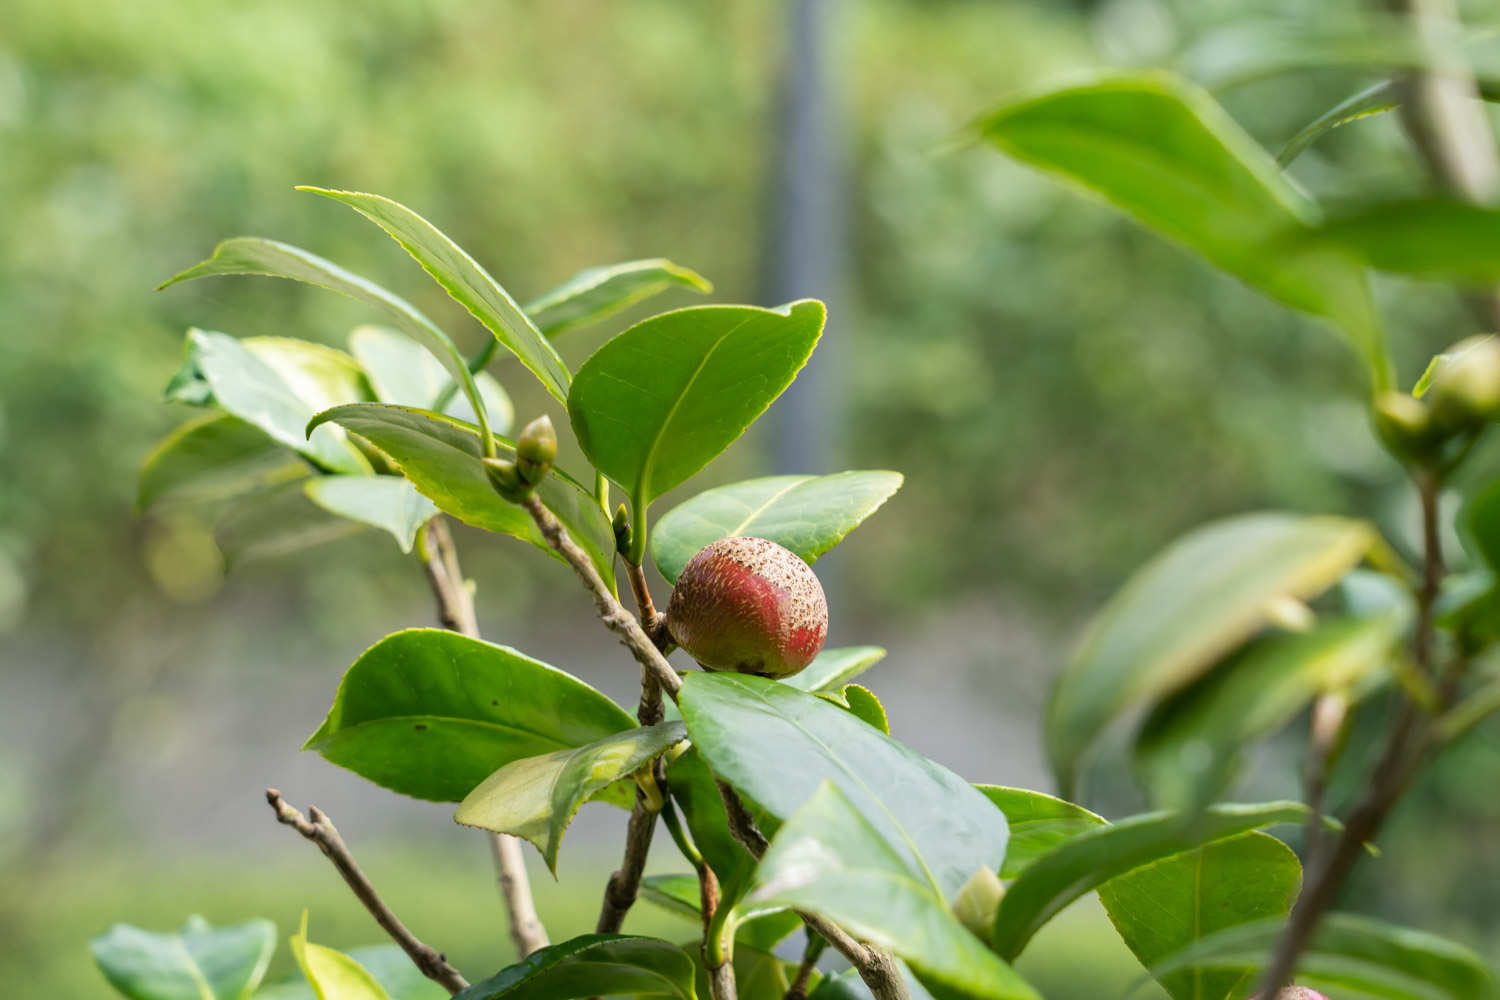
750 606
1296 993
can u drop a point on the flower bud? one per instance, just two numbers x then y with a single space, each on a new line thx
1465 389
621 526
536 450
505 479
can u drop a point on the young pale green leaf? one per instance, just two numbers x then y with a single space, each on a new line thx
1164 907
212 458
1350 953
679 894
391 967
537 797
1038 824
1094 857
776 744
832 668
1187 608
1370 101
441 456
861 702
403 372
386 502
806 514
249 387
1166 153
1423 237
593 965
1189 746
829 858
597 292
431 713
461 277
319 375
249 255
279 521
332 974
196 962
663 399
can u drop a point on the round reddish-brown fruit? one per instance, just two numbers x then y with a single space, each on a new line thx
748 605
1296 993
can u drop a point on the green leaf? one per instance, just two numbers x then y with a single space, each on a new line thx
319 375
697 795
1197 601
1481 522
1434 238
829 858
431 713
1038 824
663 399
776 744
275 522
861 702
249 255
537 797
594 964
679 894
1190 745
404 372
1161 150
833 667
461 277
441 456
212 458
1370 101
596 292
391 967
758 973
1164 907
332 974
385 502
197 962
249 387
1094 857
806 514
1351 953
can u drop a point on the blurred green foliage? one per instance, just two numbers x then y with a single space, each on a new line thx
1063 392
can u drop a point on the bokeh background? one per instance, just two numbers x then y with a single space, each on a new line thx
1064 393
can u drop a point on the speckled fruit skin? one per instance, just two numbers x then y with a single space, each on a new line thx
748 605
1296 993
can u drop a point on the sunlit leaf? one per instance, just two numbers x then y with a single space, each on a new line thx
197 962
332 974
403 372
386 502
1038 824
832 668
597 292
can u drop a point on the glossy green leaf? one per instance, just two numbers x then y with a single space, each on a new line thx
1163 151
279 521
833 668
1190 745
249 255
861 703
386 502
829 858
1187 608
696 794
1094 857
332 974
537 797
441 455
597 292
249 387
663 399
319 375
391 967
776 744
197 962
212 458
679 894
1422 237
1481 524
806 514
1038 824
594 964
431 713
461 277
1164 907
403 372
1351 953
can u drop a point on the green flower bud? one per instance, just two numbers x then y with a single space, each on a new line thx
506 480
622 530
1465 388
536 450
1405 425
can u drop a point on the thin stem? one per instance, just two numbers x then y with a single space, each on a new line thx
476 365
816 943
455 603
625 884
319 829
652 620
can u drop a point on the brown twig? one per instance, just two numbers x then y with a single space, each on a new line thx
455 605
653 621
317 828
624 885
810 955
